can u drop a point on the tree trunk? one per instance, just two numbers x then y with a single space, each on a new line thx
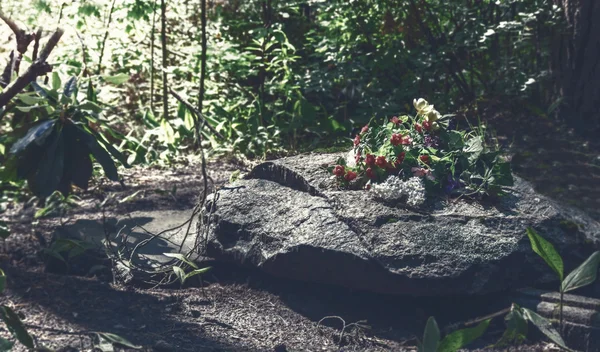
163 41
576 63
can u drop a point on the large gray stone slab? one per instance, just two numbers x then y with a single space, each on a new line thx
288 219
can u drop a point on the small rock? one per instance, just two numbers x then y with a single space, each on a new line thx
195 313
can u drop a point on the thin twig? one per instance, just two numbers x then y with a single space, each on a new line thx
198 114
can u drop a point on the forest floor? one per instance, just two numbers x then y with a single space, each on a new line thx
242 310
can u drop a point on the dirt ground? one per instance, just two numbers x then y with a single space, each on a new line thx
242 310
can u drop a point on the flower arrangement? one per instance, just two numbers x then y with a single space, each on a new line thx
411 156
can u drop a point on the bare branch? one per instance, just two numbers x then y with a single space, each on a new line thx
23 38
39 68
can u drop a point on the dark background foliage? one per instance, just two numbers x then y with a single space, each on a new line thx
282 76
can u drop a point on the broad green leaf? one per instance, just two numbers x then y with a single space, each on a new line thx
584 275
180 274
431 337
90 106
474 147
37 134
56 83
16 327
455 140
44 92
118 340
2 280
27 108
117 79
4 231
197 272
99 153
546 250
516 328
70 87
458 339
54 253
50 169
183 258
503 174
168 131
29 99
111 149
545 327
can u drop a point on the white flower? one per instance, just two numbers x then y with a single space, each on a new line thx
422 106
411 191
350 158
432 115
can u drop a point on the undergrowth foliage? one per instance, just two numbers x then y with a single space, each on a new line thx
295 74
424 151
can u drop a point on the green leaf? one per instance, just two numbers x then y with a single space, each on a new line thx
180 274
44 92
516 328
2 280
458 339
474 147
70 87
117 79
431 337
90 106
37 134
117 340
584 275
56 83
455 140
52 252
4 231
29 99
99 153
183 258
50 169
111 149
197 272
16 327
78 165
6 345
546 250
545 327
503 174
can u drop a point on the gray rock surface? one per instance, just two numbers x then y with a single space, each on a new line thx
288 219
